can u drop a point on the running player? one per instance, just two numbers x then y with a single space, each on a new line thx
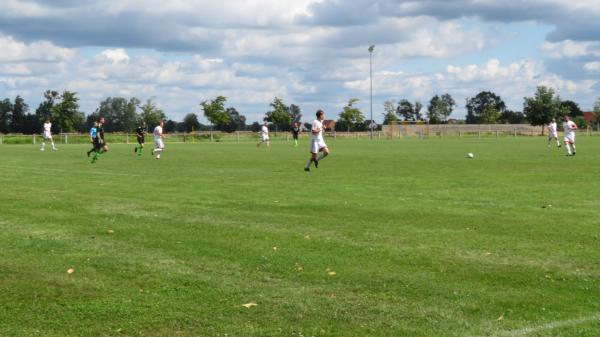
93 135
553 133
317 143
47 135
295 133
99 142
159 145
140 133
264 135
569 128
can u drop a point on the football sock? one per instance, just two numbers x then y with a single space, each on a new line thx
568 146
321 156
140 151
53 147
574 149
295 142
308 163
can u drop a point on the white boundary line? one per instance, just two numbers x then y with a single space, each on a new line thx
548 326
91 172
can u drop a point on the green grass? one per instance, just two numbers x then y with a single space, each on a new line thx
423 241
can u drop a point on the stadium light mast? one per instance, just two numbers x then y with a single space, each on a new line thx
371 49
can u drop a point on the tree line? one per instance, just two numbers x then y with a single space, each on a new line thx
125 114
488 108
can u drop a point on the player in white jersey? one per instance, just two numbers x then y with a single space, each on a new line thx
264 135
569 128
553 133
317 143
47 135
159 145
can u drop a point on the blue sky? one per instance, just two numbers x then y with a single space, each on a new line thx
312 53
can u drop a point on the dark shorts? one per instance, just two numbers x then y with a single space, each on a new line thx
97 144
295 135
140 139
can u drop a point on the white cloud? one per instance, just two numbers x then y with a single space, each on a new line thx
570 49
115 55
592 67
44 51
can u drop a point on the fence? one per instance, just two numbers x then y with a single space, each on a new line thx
466 130
388 132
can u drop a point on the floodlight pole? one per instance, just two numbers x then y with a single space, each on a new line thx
371 48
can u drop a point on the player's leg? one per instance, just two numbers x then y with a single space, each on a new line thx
43 147
568 146
141 149
52 143
573 146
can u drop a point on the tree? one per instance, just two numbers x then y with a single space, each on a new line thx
389 116
236 121
511 117
279 115
409 111
440 108
597 112
572 107
214 111
151 114
171 126
295 113
120 114
44 110
351 116
190 123
66 114
540 109
17 118
6 108
477 105
490 115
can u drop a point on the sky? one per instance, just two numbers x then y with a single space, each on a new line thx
312 53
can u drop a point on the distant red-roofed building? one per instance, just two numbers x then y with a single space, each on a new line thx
589 117
329 125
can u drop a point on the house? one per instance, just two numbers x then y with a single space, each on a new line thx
329 125
589 117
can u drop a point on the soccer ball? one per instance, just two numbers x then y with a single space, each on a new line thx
470 155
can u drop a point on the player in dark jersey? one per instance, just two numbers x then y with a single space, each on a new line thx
100 145
140 132
93 135
296 132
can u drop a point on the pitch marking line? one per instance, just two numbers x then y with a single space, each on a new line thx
69 171
548 326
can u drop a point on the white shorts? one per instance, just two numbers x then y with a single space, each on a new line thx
264 139
316 145
553 135
570 138
47 135
158 144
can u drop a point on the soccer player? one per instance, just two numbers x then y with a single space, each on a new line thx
98 140
295 133
47 135
569 128
140 133
553 133
159 145
93 135
264 136
317 143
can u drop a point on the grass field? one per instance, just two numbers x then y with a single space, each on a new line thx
388 238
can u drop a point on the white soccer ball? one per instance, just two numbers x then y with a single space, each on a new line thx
470 155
